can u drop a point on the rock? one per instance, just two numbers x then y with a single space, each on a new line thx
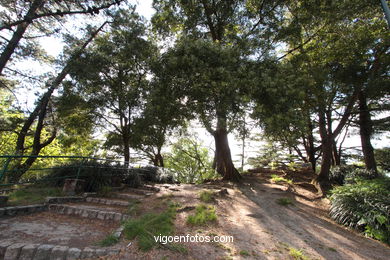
117 217
3 200
73 186
43 252
3 247
101 215
101 252
88 253
59 253
73 254
28 251
13 251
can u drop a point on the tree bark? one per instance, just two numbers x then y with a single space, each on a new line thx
322 181
223 159
365 124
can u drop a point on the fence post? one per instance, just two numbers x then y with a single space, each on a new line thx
4 170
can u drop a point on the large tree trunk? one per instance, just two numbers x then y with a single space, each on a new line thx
18 34
365 125
322 181
223 159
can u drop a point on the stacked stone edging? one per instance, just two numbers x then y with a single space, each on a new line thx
21 210
87 213
59 200
107 201
22 251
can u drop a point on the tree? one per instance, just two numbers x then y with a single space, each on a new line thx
39 119
338 58
214 68
161 115
20 15
112 77
190 161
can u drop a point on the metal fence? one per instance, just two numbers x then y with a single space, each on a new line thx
45 165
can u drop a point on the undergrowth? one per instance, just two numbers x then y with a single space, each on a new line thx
33 195
365 206
206 196
150 225
276 178
203 215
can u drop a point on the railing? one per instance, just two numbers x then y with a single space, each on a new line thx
78 163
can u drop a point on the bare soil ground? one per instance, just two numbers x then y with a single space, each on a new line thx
262 229
51 228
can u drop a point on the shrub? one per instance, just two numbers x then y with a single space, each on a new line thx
95 174
154 174
365 206
349 174
277 179
337 174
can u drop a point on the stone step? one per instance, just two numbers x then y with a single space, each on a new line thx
19 251
106 201
128 196
87 211
139 191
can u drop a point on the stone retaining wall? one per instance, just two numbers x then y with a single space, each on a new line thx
21 210
107 201
87 213
21 251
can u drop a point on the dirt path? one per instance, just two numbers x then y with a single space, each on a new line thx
263 229
263 225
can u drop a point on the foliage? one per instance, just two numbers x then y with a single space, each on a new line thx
276 178
347 174
150 225
206 196
33 195
244 253
95 174
109 240
203 215
190 161
155 174
365 206
284 201
112 78
297 254
382 157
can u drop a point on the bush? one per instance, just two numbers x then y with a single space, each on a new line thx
364 205
347 174
95 174
154 174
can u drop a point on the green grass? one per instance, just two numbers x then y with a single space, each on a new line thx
206 196
284 201
297 254
244 253
110 240
32 195
150 225
277 179
134 208
203 215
